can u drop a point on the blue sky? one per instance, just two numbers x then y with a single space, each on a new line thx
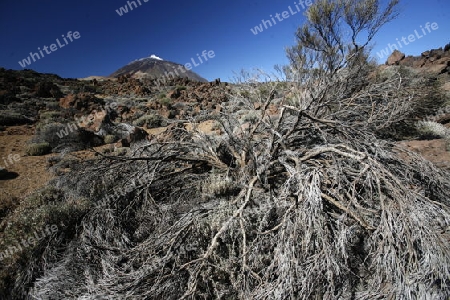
177 31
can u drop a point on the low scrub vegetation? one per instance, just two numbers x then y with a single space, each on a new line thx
151 121
37 149
311 200
10 118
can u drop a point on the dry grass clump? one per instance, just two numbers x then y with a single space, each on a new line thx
50 115
431 130
110 138
151 121
38 149
26 236
219 185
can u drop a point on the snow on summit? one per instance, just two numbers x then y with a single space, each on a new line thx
155 57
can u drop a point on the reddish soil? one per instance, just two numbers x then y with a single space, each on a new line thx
433 150
28 173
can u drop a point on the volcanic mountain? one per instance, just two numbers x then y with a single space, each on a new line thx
155 67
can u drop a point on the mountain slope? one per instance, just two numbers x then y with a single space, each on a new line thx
155 67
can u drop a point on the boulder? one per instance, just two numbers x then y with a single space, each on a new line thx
81 101
47 90
174 94
395 58
125 132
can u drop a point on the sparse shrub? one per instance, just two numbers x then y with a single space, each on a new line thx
10 118
54 133
38 149
152 121
36 214
50 115
218 185
251 117
110 138
108 150
66 137
216 126
162 96
166 102
447 143
180 106
52 105
181 88
245 94
61 164
121 151
431 130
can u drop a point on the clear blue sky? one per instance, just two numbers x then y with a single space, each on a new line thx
177 31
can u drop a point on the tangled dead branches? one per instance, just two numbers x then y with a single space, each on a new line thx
299 198
314 208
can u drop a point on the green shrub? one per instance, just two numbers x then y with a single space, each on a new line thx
37 149
52 105
245 94
9 118
181 88
152 121
110 138
166 102
162 96
121 151
50 115
251 117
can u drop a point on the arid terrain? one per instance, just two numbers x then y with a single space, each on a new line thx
79 140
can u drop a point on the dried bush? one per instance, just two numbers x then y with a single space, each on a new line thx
45 207
321 208
66 137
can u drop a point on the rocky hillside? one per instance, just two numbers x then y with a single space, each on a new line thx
435 61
